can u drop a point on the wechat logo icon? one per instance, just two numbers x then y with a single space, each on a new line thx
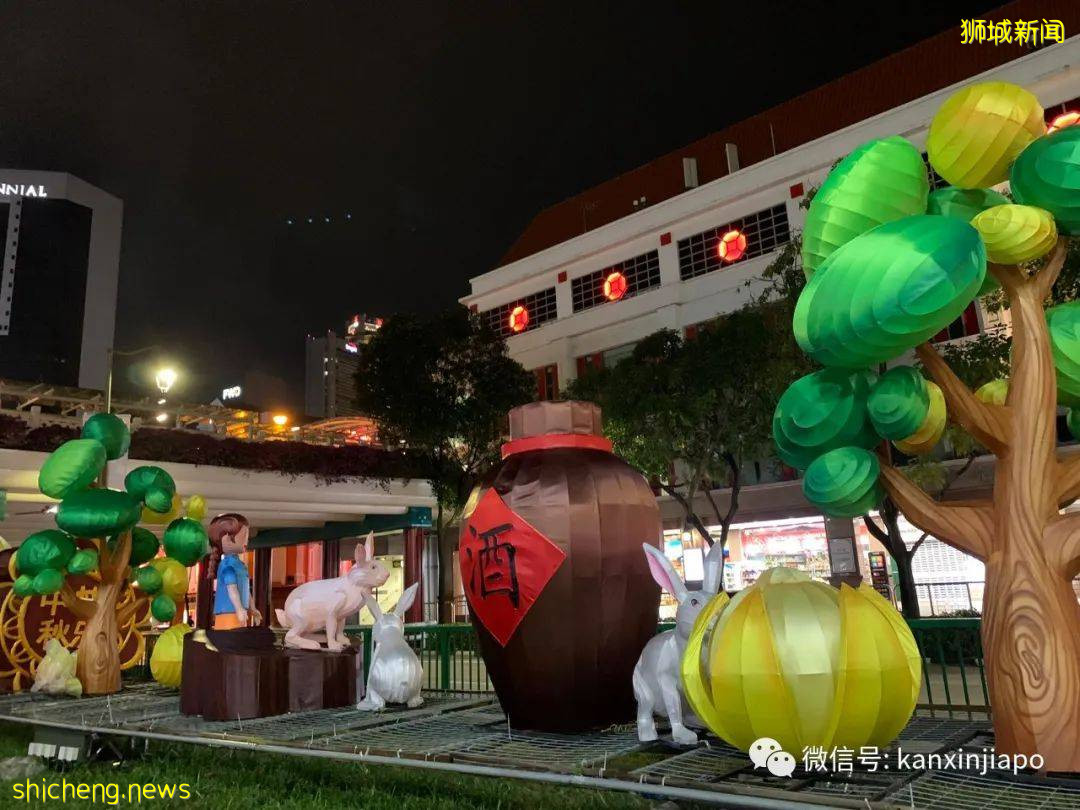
767 753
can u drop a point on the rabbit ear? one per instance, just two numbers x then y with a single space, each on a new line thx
366 550
663 573
406 600
714 569
373 606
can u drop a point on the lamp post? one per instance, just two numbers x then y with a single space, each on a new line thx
165 378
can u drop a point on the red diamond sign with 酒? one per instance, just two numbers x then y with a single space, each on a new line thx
505 564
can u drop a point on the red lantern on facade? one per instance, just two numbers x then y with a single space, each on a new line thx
732 246
1067 119
615 286
519 318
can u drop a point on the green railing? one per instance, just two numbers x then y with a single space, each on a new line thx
954 676
448 652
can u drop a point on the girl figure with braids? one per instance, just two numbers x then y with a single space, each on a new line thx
229 534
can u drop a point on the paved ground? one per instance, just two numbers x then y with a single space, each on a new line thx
466 730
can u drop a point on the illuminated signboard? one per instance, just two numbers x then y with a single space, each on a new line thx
231 393
21 190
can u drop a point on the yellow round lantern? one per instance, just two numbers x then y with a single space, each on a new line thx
803 663
166 661
174 578
1016 233
150 516
923 440
993 392
980 130
195 508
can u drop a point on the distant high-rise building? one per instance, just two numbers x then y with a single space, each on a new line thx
331 364
58 277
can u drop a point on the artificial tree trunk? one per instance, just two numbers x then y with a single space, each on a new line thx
98 664
1031 618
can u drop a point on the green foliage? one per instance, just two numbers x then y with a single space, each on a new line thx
73 466
110 430
84 561
50 548
441 385
981 359
185 541
98 512
151 485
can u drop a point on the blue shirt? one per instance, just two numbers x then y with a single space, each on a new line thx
231 571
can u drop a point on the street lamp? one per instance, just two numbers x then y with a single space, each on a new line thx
165 378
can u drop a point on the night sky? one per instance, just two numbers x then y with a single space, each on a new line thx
438 129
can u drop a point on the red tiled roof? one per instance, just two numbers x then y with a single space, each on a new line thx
897 79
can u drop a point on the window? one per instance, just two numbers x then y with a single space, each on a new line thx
967 324
936 180
641 273
547 382
765 231
604 359
539 308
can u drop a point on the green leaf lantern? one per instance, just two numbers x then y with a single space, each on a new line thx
72 466
144 545
1016 233
1063 322
1072 419
98 512
844 482
889 290
980 129
898 403
174 577
963 203
881 181
110 430
43 550
24 586
84 561
148 579
163 608
993 392
48 581
1047 174
153 486
186 541
820 412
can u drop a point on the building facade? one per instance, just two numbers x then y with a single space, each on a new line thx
330 366
677 243
58 278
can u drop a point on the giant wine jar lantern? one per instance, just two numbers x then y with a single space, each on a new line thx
558 589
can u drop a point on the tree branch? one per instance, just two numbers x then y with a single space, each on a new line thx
1048 273
968 528
1063 542
81 608
124 613
694 520
1067 487
989 424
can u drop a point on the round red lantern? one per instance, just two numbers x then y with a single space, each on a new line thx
615 286
732 246
519 318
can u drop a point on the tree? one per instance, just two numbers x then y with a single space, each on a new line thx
887 285
690 413
103 522
442 386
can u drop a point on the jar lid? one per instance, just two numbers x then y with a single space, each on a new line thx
546 418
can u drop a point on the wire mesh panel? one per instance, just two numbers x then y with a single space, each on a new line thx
131 706
560 752
424 736
949 790
539 308
639 274
765 231
699 765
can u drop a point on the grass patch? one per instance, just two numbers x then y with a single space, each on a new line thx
226 779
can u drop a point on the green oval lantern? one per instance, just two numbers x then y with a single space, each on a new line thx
822 411
148 579
24 586
881 181
1014 234
1063 322
898 403
72 466
186 541
153 486
1047 175
48 581
144 545
844 482
110 430
98 512
84 561
163 608
50 548
963 203
889 290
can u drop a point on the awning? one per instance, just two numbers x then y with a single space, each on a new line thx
414 517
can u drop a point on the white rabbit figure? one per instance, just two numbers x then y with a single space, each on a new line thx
324 604
395 675
657 685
